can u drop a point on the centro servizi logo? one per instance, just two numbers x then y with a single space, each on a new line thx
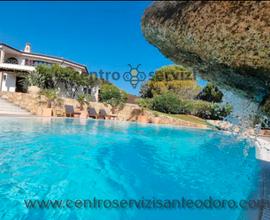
134 75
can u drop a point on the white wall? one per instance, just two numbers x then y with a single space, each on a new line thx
95 93
10 83
2 56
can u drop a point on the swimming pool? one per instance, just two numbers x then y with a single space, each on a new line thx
69 159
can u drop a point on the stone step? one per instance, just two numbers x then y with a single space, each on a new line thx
14 113
5 104
8 108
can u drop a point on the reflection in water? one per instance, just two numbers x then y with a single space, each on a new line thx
46 120
114 160
83 121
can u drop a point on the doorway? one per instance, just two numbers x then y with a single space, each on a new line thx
20 87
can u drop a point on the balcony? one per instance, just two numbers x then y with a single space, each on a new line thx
17 67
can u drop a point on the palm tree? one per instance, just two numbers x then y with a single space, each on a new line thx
81 99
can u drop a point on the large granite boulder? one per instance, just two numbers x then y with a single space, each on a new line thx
227 42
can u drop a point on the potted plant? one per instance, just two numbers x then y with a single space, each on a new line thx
82 99
113 96
51 96
32 82
33 90
58 104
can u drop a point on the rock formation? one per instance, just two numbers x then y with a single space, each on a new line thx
227 42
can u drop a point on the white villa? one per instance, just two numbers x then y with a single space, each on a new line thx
14 61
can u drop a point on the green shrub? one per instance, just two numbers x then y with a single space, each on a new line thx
210 93
146 91
167 103
208 110
112 95
173 89
224 110
34 79
51 94
67 79
145 103
88 98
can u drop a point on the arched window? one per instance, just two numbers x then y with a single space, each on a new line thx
12 60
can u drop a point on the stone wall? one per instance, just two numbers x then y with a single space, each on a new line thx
129 112
150 117
37 104
132 112
29 102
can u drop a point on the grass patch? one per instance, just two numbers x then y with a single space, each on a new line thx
189 118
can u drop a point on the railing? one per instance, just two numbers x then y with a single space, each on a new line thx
10 66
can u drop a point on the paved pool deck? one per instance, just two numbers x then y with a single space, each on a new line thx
263 154
263 148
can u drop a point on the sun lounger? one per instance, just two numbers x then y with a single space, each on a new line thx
103 115
69 110
92 113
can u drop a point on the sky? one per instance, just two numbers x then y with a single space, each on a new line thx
104 36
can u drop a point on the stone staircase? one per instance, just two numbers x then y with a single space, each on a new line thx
9 109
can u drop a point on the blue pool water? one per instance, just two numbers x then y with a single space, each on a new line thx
73 159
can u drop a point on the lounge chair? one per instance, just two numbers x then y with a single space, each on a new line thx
69 110
103 115
92 113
